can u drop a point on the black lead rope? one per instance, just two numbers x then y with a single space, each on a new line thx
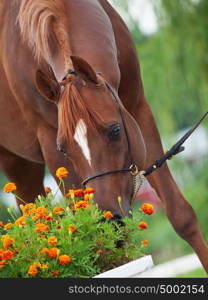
175 149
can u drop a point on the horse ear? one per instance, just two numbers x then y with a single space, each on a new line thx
47 85
84 69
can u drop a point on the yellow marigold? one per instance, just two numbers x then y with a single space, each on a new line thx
52 240
58 210
147 208
41 212
61 173
64 259
8 254
33 271
44 266
21 221
7 241
37 264
108 215
9 187
41 227
1 224
142 225
44 250
145 243
8 226
72 228
53 252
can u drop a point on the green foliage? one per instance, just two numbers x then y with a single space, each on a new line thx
96 244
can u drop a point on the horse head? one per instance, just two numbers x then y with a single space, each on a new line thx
96 133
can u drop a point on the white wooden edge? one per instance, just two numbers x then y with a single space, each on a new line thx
130 269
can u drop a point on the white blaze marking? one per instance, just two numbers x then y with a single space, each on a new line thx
80 137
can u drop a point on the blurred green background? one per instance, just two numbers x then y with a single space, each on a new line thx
174 65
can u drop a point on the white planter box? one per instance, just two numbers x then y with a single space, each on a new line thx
131 269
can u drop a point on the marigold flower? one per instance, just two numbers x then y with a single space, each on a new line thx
33 271
61 173
44 250
145 243
41 227
2 263
147 208
9 187
8 254
89 191
53 252
54 273
142 225
81 204
8 226
1 224
20 222
58 210
41 212
47 190
86 197
43 267
7 241
72 228
42 236
28 209
108 215
49 218
64 259
52 240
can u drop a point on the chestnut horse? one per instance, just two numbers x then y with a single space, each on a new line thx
98 115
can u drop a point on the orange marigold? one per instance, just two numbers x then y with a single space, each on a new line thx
81 204
2 263
20 222
41 227
44 266
44 250
8 226
89 191
8 254
54 273
9 187
58 210
7 241
147 208
145 243
52 240
33 271
53 252
72 228
41 212
108 215
142 225
61 173
1 224
64 259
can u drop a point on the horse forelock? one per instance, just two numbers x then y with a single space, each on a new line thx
38 21
72 109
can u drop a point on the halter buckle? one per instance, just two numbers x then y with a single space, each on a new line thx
134 170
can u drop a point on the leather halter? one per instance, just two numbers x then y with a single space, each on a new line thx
137 175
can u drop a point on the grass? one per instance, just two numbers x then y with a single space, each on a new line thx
198 273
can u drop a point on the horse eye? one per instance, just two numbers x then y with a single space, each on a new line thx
61 149
114 131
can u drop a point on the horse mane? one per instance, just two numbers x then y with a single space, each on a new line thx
39 20
72 108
